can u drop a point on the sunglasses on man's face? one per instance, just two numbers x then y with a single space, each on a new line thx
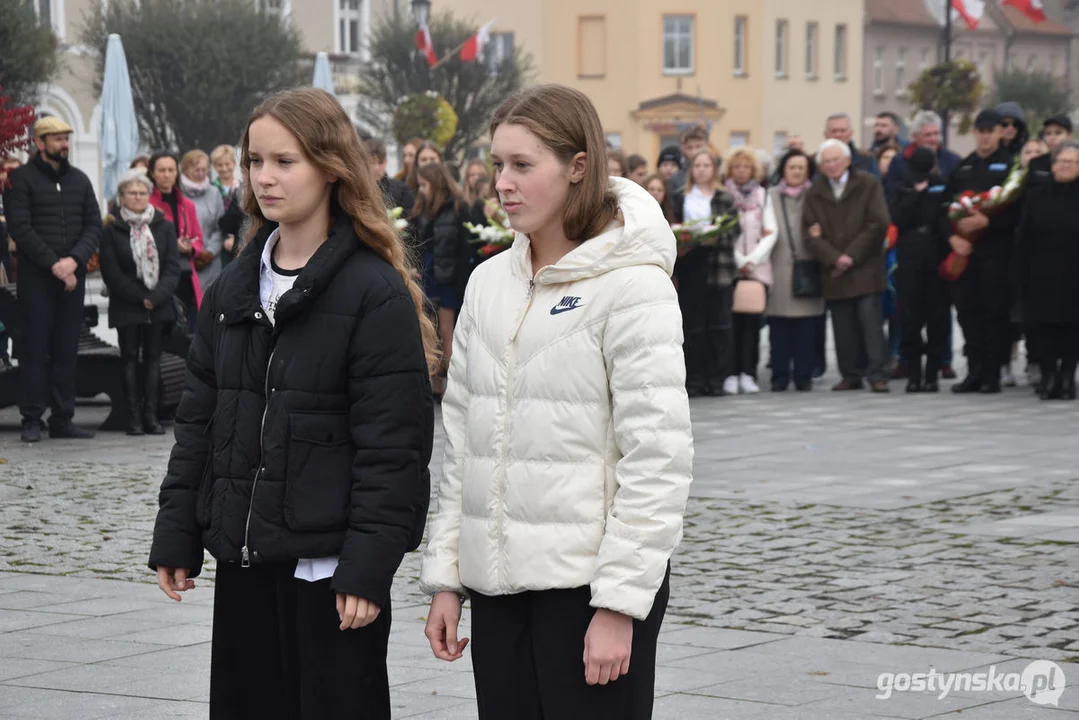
1007 124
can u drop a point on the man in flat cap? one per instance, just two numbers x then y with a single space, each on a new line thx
54 219
983 292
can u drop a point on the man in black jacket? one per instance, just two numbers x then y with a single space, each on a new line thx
397 193
982 292
1055 130
54 219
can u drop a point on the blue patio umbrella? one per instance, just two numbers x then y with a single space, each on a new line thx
323 78
119 126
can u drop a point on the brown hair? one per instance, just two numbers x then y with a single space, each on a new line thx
413 178
619 157
689 170
190 158
635 161
139 160
697 132
886 146
476 191
747 154
443 190
402 174
376 149
329 141
566 121
666 206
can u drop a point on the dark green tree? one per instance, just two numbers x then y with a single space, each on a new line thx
474 89
197 67
29 52
949 88
1039 93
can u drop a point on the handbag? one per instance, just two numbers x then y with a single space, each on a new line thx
750 297
805 274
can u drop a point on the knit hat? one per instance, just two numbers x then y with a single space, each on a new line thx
921 164
669 154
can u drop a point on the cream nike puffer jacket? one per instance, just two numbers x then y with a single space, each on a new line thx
569 451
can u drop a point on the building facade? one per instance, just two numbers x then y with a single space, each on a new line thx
903 38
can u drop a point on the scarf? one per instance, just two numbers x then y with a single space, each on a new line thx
792 192
745 196
143 247
190 187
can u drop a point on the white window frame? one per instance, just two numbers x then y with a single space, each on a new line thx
740 36
840 59
286 9
56 16
362 16
739 138
674 31
782 47
983 64
901 72
1032 63
924 65
496 51
812 44
878 71
779 142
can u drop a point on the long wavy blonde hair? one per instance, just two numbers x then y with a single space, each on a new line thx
329 141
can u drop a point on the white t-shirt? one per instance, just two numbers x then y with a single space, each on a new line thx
273 283
697 205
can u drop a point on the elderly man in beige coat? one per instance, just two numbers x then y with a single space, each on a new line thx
846 219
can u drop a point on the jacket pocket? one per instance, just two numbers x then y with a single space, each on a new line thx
318 471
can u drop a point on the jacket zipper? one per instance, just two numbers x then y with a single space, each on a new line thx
63 223
245 555
510 367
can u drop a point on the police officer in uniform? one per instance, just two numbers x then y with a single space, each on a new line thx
982 293
1055 130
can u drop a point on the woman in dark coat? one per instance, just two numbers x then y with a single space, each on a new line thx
1047 264
140 264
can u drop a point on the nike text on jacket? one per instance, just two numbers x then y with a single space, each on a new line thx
569 450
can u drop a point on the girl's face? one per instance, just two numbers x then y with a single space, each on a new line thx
165 174
1031 150
639 174
741 171
614 168
288 186
427 156
658 190
198 171
532 183
704 170
668 168
409 156
425 189
886 161
225 167
796 171
475 172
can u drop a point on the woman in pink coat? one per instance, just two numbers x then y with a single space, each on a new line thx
163 170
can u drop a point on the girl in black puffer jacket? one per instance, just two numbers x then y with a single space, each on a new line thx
444 246
304 431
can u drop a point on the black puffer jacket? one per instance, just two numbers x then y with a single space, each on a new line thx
52 215
126 290
308 438
923 225
448 240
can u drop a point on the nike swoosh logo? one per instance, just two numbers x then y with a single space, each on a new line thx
560 310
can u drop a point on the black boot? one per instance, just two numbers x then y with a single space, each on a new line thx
152 391
1067 387
932 371
914 375
131 395
973 381
1056 387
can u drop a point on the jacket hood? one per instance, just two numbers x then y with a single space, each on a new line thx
1012 110
641 236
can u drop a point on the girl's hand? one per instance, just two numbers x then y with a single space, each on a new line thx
441 630
229 243
355 612
174 581
607 647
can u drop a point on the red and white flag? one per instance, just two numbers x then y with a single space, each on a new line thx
1033 9
971 11
423 44
473 47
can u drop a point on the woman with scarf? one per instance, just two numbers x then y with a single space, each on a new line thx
751 256
163 171
793 310
196 186
140 264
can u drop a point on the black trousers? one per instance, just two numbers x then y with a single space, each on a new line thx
793 341
185 291
50 321
278 654
147 340
982 300
858 326
706 322
820 354
923 303
746 334
527 658
1059 348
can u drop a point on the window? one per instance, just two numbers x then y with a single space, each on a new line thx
614 139
739 139
592 46
272 7
349 23
841 52
47 16
678 44
1032 63
878 71
983 64
781 48
901 71
779 143
1053 65
740 24
924 65
811 49
499 49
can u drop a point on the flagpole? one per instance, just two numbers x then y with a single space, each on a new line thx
946 120
450 54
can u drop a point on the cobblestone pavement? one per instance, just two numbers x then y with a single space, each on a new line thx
829 537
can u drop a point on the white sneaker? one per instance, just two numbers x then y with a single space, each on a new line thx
1006 377
730 385
748 385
